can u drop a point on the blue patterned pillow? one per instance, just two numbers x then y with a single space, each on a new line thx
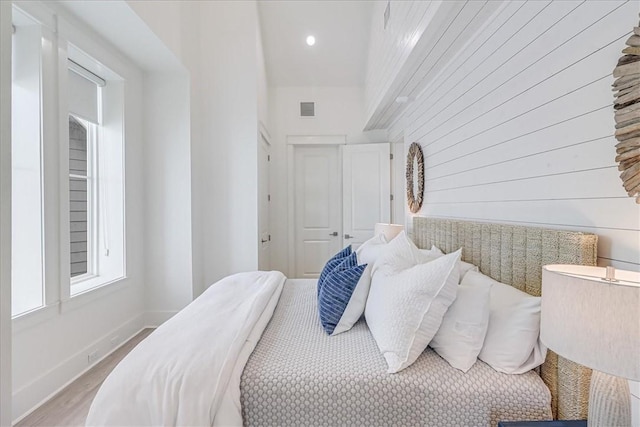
336 291
333 263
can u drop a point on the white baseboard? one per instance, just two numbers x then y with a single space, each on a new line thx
32 395
153 319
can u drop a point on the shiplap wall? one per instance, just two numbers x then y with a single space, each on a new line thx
518 127
391 46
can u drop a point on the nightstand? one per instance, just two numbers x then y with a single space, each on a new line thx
554 423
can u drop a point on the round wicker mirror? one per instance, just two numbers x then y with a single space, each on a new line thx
415 177
627 115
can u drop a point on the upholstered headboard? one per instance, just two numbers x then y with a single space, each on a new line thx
515 255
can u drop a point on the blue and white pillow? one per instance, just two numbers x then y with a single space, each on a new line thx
336 292
331 264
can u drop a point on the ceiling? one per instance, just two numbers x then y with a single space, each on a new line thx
338 58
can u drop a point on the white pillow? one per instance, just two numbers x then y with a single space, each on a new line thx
355 307
434 252
466 267
464 326
399 254
406 305
369 251
512 344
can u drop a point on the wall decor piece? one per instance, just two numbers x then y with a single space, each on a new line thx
415 177
626 89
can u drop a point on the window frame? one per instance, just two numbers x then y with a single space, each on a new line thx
47 140
107 267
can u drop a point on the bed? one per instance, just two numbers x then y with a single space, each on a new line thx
290 373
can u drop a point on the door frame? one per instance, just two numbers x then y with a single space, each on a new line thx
292 142
264 141
398 187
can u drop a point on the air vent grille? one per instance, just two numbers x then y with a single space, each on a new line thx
307 109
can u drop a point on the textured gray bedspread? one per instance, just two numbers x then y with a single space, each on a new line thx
299 376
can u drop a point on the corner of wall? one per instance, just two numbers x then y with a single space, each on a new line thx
5 213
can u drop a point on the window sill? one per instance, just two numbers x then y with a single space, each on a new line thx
42 314
34 317
85 293
87 283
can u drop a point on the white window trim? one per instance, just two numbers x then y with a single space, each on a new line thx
104 206
47 135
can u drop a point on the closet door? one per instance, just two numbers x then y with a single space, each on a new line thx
317 208
366 190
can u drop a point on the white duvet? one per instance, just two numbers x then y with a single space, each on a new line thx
187 372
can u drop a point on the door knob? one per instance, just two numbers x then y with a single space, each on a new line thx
346 236
264 241
334 234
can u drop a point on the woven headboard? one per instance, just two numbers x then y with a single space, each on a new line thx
515 255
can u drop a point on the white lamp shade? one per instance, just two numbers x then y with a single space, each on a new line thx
590 321
389 230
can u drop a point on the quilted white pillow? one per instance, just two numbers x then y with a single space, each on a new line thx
434 252
406 304
431 254
512 344
464 326
399 254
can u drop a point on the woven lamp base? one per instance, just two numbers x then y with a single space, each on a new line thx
609 401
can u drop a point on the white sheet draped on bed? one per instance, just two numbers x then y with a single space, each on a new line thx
194 380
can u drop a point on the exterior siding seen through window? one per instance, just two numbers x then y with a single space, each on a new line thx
78 183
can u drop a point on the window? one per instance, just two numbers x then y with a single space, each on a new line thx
96 172
27 260
68 134
82 141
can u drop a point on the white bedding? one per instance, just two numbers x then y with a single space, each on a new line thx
195 380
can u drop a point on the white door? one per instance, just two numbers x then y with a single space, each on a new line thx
366 179
317 207
264 199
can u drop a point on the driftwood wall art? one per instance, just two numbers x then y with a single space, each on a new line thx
626 89
415 197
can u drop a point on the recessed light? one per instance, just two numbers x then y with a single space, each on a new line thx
311 40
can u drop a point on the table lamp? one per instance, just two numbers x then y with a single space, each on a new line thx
389 230
591 315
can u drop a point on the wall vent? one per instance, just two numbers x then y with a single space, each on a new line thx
307 109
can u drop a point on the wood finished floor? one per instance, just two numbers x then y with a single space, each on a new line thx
71 405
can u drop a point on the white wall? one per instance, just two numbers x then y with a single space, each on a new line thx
339 111
225 159
217 43
518 127
5 214
50 346
191 182
263 84
167 195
